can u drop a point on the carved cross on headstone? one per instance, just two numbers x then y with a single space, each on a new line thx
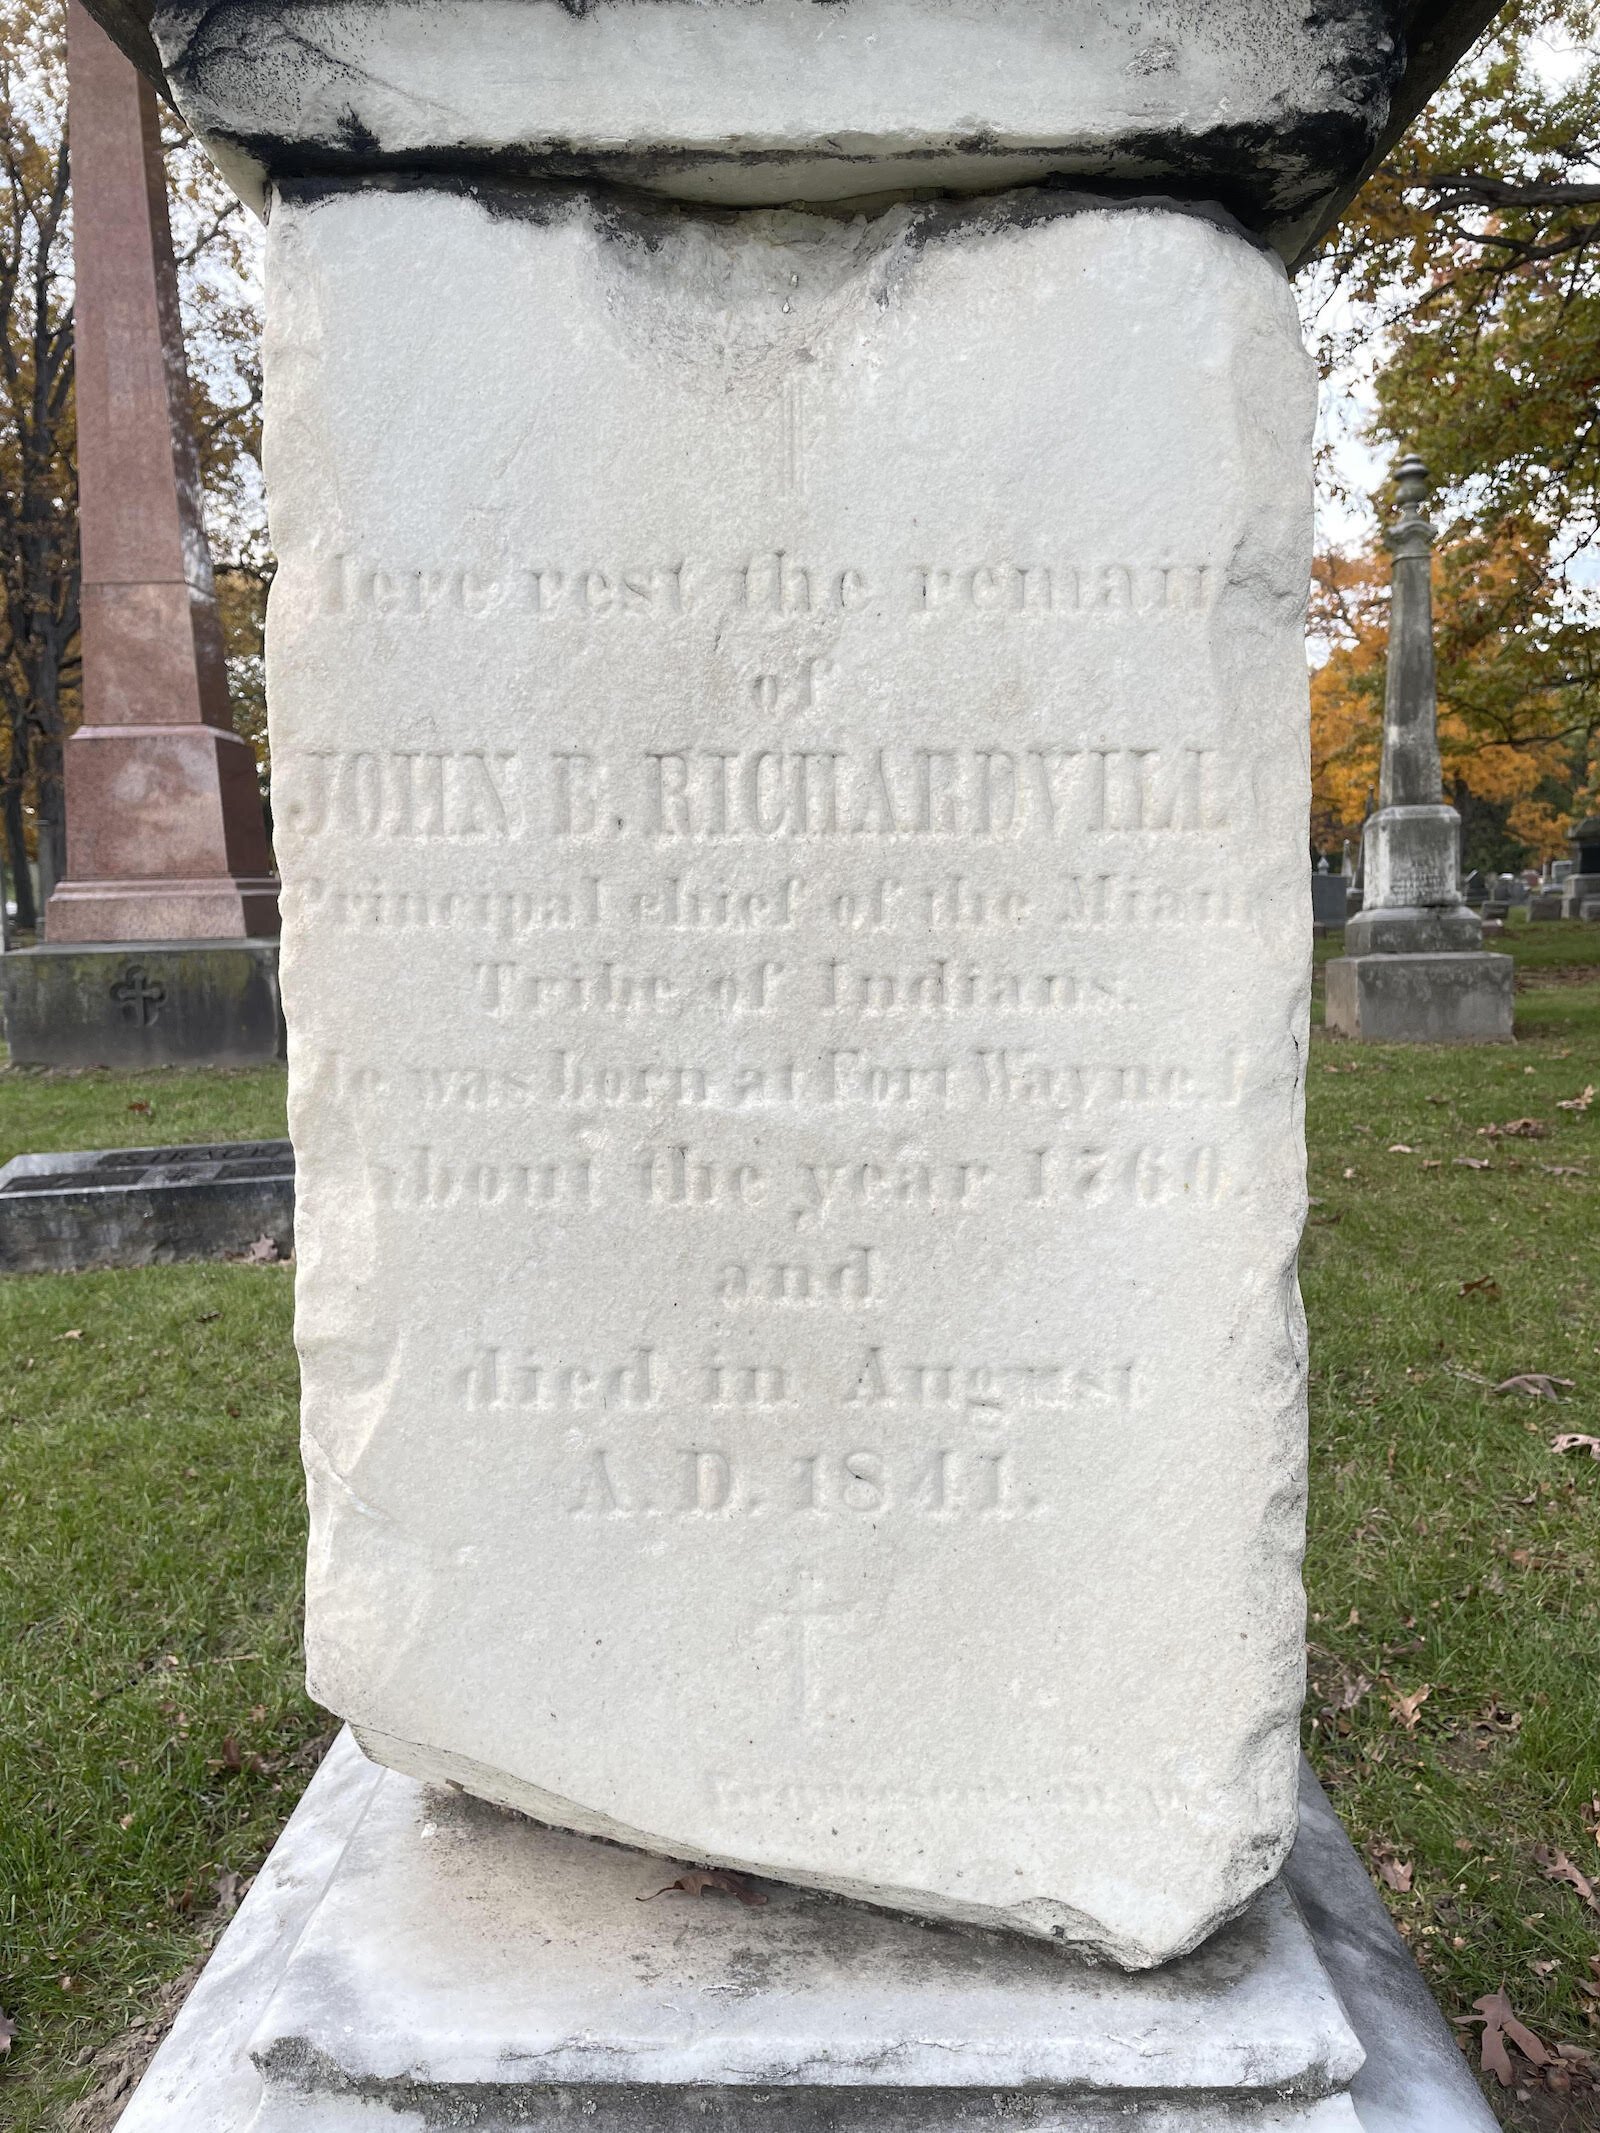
138 996
802 1612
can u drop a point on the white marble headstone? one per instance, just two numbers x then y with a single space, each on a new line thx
789 743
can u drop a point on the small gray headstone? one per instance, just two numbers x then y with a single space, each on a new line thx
1330 897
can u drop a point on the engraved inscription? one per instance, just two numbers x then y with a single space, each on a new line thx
616 587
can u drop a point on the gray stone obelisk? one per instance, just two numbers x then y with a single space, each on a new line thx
1415 972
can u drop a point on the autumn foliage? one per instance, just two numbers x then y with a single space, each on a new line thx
1463 289
1513 761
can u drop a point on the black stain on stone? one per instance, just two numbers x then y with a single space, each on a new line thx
1268 173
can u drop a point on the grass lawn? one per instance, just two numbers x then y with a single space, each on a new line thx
153 1733
41 1113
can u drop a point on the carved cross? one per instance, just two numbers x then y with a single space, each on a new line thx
139 998
802 1612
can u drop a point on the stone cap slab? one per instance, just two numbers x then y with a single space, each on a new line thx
1271 108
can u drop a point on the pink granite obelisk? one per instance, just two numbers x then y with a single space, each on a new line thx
165 836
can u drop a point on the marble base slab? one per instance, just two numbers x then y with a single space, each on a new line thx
1421 999
413 1958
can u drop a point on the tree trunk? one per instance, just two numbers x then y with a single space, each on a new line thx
17 857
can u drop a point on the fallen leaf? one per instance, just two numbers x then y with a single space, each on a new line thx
709 1881
1516 1129
262 1253
232 1759
1574 1442
1473 1162
1536 1385
1495 1715
1432 1163
76 1334
1485 1288
207 1317
1544 1969
1578 1103
1499 2019
1396 1874
228 1890
8 2030
1350 1173
1400 1148
146 1108
1406 1708
1556 1866
1564 1170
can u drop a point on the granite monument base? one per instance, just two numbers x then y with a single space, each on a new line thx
143 1004
414 1958
1421 999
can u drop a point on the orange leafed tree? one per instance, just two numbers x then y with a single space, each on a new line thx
1509 650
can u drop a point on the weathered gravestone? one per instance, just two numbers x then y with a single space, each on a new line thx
798 1198
1330 900
1581 883
1414 970
146 1206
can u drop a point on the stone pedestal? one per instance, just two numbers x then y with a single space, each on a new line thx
1421 999
802 1366
143 1004
1416 929
165 835
411 1958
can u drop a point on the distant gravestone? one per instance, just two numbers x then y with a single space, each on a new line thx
168 867
1413 969
1582 881
145 1206
1330 896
